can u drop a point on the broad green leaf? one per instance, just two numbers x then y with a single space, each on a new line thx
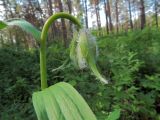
24 25
78 100
39 106
61 102
114 115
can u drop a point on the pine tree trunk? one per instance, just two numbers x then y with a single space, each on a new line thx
130 14
98 17
156 13
64 30
106 15
50 11
86 13
69 4
109 15
143 18
136 24
117 17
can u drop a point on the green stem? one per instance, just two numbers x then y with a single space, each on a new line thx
44 34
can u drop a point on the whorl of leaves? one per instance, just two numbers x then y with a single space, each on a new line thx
61 102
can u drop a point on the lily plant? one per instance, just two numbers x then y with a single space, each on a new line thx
61 101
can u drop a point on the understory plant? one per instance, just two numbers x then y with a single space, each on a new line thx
130 60
61 101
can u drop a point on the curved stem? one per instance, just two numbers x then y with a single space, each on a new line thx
44 34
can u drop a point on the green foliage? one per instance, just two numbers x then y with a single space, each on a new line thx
18 77
130 61
149 51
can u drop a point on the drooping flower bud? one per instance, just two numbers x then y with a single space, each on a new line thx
84 52
73 45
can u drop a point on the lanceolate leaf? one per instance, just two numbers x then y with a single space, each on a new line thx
61 102
93 67
24 25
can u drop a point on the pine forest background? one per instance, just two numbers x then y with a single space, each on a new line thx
128 37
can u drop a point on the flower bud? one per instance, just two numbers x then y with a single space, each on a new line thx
84 52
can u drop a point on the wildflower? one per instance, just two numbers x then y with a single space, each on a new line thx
84 51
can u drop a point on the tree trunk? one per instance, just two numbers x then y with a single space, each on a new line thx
143 18
53 27
136 24
117 17
69 4
156 12
106 15
50 11
109 15
64 30
98 17
86 13
130 14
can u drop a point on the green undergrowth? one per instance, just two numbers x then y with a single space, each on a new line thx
130 61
